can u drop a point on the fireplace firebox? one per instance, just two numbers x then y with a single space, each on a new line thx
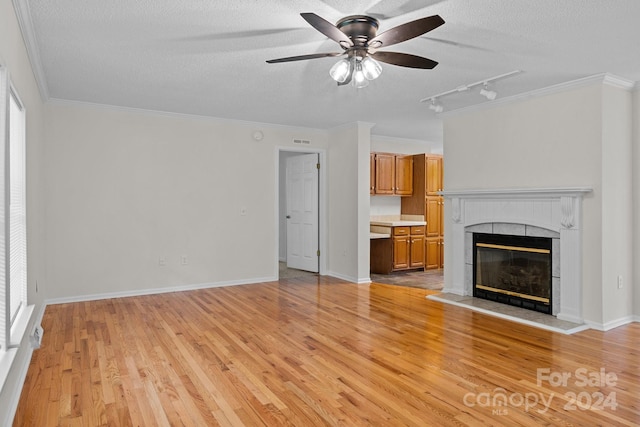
514 270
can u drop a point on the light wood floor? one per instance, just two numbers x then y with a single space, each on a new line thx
319 351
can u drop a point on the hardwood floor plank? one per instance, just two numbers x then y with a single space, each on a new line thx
318 351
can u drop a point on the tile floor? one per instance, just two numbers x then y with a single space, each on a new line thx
428 279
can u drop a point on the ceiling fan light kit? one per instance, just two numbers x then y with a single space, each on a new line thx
358 38
358 71
340 70
371 68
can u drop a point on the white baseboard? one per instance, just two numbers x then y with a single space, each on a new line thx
358 281
613 323
153 291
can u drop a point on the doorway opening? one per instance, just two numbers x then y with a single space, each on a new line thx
300 213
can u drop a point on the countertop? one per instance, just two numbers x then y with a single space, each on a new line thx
379 235
397 223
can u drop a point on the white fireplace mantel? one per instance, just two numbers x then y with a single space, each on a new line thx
555 209
518 192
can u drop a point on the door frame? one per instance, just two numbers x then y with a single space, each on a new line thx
322 203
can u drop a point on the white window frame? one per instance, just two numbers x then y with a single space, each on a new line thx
12 330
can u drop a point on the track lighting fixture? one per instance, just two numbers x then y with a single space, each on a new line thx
485 91
489 94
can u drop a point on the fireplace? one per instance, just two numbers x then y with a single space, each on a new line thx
555 213
514 270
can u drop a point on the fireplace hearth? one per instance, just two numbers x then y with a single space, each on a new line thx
514 270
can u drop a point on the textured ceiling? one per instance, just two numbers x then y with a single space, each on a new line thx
208 57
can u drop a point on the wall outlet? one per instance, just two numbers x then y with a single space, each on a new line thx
619 282
184 260
162 261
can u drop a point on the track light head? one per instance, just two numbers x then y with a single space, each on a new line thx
489 94
438 108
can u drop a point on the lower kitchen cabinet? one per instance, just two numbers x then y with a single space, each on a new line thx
408 247
401 248
434 247
403 251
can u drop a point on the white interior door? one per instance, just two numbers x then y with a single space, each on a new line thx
302 212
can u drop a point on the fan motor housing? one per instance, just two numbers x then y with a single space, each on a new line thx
359 28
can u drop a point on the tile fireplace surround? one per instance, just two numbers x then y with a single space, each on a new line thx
548 212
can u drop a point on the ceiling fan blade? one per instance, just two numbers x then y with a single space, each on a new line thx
406 31
404 60
328 29
304 57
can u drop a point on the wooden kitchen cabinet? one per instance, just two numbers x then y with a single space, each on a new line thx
408 247
404 175
433 174
435 230
385 170
393 174
403 251
433 249
416 249
427 182
433 216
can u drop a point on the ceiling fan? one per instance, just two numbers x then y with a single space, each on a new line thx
358 38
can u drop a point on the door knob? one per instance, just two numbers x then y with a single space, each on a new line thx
288 216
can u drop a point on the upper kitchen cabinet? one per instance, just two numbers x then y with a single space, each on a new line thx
404 175
393 174
433 174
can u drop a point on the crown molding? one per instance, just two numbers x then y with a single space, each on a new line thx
386 138
23 14
603 78
133 110
619 82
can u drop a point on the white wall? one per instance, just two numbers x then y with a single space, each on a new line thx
617 204
402 145
348 199
13 56
557 140
125 188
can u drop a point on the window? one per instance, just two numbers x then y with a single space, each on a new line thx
17 217
13 247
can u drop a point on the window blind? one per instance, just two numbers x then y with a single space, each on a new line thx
17 217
